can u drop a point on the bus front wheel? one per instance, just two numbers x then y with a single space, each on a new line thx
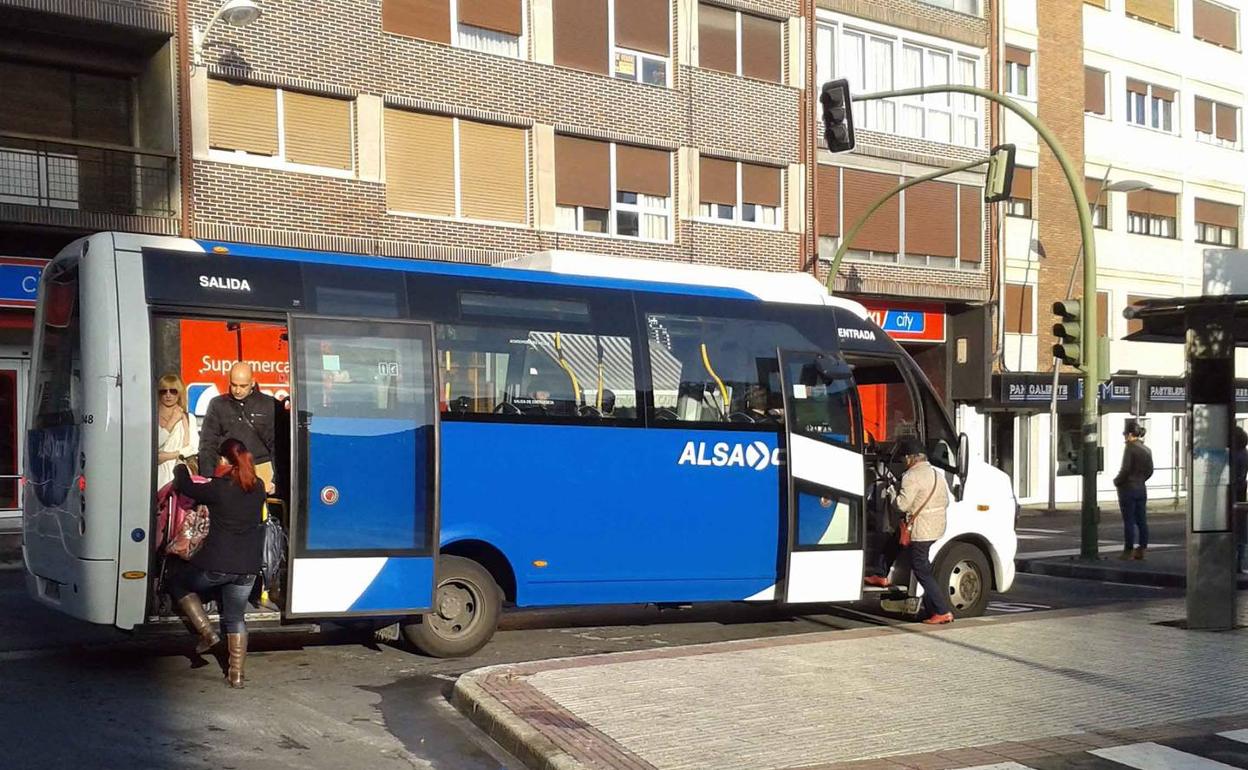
466 606
964 572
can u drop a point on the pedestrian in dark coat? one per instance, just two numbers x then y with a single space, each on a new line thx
1137 468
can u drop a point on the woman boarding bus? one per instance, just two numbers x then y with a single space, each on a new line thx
567 430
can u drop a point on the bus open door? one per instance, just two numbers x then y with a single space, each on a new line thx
825 476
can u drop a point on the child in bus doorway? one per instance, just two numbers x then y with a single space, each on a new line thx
1137 468
178 435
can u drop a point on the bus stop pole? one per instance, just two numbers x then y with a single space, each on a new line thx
1088 343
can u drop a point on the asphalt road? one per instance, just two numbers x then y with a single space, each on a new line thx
73 695
1058 534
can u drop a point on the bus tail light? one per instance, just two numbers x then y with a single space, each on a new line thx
82 483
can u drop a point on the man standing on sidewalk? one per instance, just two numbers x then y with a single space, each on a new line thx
1137 468
923 499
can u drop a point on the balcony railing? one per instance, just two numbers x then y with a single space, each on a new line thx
85 176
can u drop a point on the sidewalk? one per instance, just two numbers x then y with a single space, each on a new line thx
1166 568
980 692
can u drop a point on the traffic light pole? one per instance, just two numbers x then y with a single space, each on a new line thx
1090 428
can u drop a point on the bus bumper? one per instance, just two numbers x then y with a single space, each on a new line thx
86 590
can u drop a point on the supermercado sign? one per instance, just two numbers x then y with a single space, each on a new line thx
210 349
911 322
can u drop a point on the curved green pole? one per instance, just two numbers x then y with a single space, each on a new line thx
1088 338
862 220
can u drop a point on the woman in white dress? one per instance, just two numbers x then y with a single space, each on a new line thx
178 434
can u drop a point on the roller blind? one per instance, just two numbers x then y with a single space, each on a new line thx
828 202
1018 55
420 163
1157 11
498 15
717 181
1134 324
970 224
1153 202
582 172
1021 188
1161 92
581 34
1093 91
1137 86
760 48
1102 314
242 117
760 184
1092 189
493 179
318 130
1018 309
717 38
643 25
643 170
1204 115
882 232
1228 122
932 219
1215 23
425 19
1214 213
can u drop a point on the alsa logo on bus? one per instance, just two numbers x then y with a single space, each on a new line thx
724 455
218 282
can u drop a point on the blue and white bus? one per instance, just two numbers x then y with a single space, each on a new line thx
570 429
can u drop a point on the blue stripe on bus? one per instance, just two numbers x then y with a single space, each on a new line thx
619 516
472 271
404 583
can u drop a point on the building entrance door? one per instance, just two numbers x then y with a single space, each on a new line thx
13 374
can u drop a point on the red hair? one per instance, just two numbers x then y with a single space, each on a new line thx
242 466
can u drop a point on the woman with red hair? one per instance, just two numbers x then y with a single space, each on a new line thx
230 556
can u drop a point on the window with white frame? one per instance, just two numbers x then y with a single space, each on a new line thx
1217 123
739 193
614 189
878 60
1153 212
1217 224
969 7
490 26
275 127
641 41
1151 106
1018 72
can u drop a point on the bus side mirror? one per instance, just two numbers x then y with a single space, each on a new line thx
964 456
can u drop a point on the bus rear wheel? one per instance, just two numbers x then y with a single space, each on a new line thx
466 605
963 571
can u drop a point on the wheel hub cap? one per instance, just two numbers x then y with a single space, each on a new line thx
965 584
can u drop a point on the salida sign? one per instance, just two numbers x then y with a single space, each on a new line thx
211 348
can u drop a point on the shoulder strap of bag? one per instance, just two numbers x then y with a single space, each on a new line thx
932 491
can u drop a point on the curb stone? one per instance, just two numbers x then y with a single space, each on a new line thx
504 727
1073 569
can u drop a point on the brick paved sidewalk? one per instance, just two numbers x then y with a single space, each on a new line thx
1007 686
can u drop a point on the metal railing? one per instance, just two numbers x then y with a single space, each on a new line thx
85 176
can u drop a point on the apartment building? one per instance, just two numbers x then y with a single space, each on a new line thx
1152 111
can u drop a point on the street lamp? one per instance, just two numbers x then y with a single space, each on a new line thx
236 13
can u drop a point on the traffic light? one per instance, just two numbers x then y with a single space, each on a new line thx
1068 331
1000 177
838 116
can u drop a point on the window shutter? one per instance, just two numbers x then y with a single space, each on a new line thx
1161 92
497 15
971 224
1228 122
828 190
1018 309
643 170
582 172
1137 86
1153 202
425 19
1134 324
102 109
318 130
1021 188
1102 314
760 185
717 38
643 25
493 179
760 48
1092 189
931 219
1214 213
1093 91
1098 3
1018 55
242 117
581 35
39 100
1215 24
882 232
717 181
420 163
1157 11
1204 115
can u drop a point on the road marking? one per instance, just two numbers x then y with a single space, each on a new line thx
1000 766
1154 756
1015 607
1042 531
1236 735
1112 548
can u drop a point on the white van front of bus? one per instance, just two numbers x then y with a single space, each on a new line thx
985 518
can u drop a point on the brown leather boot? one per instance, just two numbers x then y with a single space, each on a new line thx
236 644
192 610
1139 554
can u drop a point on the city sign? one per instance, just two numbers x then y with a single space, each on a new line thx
19 281
908 322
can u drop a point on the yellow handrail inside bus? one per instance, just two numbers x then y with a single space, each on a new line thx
576 386
599 404
723 389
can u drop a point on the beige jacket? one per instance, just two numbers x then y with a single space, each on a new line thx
916 484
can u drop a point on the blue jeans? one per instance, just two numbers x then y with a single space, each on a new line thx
1134 505
235 591
935 597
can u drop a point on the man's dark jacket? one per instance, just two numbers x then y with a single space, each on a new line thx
250 421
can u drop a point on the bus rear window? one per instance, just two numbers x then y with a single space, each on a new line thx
54 429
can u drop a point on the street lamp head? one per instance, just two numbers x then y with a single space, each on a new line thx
239 13
1129 185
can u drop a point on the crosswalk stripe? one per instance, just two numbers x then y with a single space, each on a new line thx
1000 766
1214 747
1236 735
1154 756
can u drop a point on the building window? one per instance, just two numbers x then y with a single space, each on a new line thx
1094 101
1159 12
741 193
1019 203
1019 309
279 128
1153 212
1150 105
1098 203
450 167
490 26
612 189
630 40
1217 224
1217 123
879 61
969 7
739 43
1215 24
1018 72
